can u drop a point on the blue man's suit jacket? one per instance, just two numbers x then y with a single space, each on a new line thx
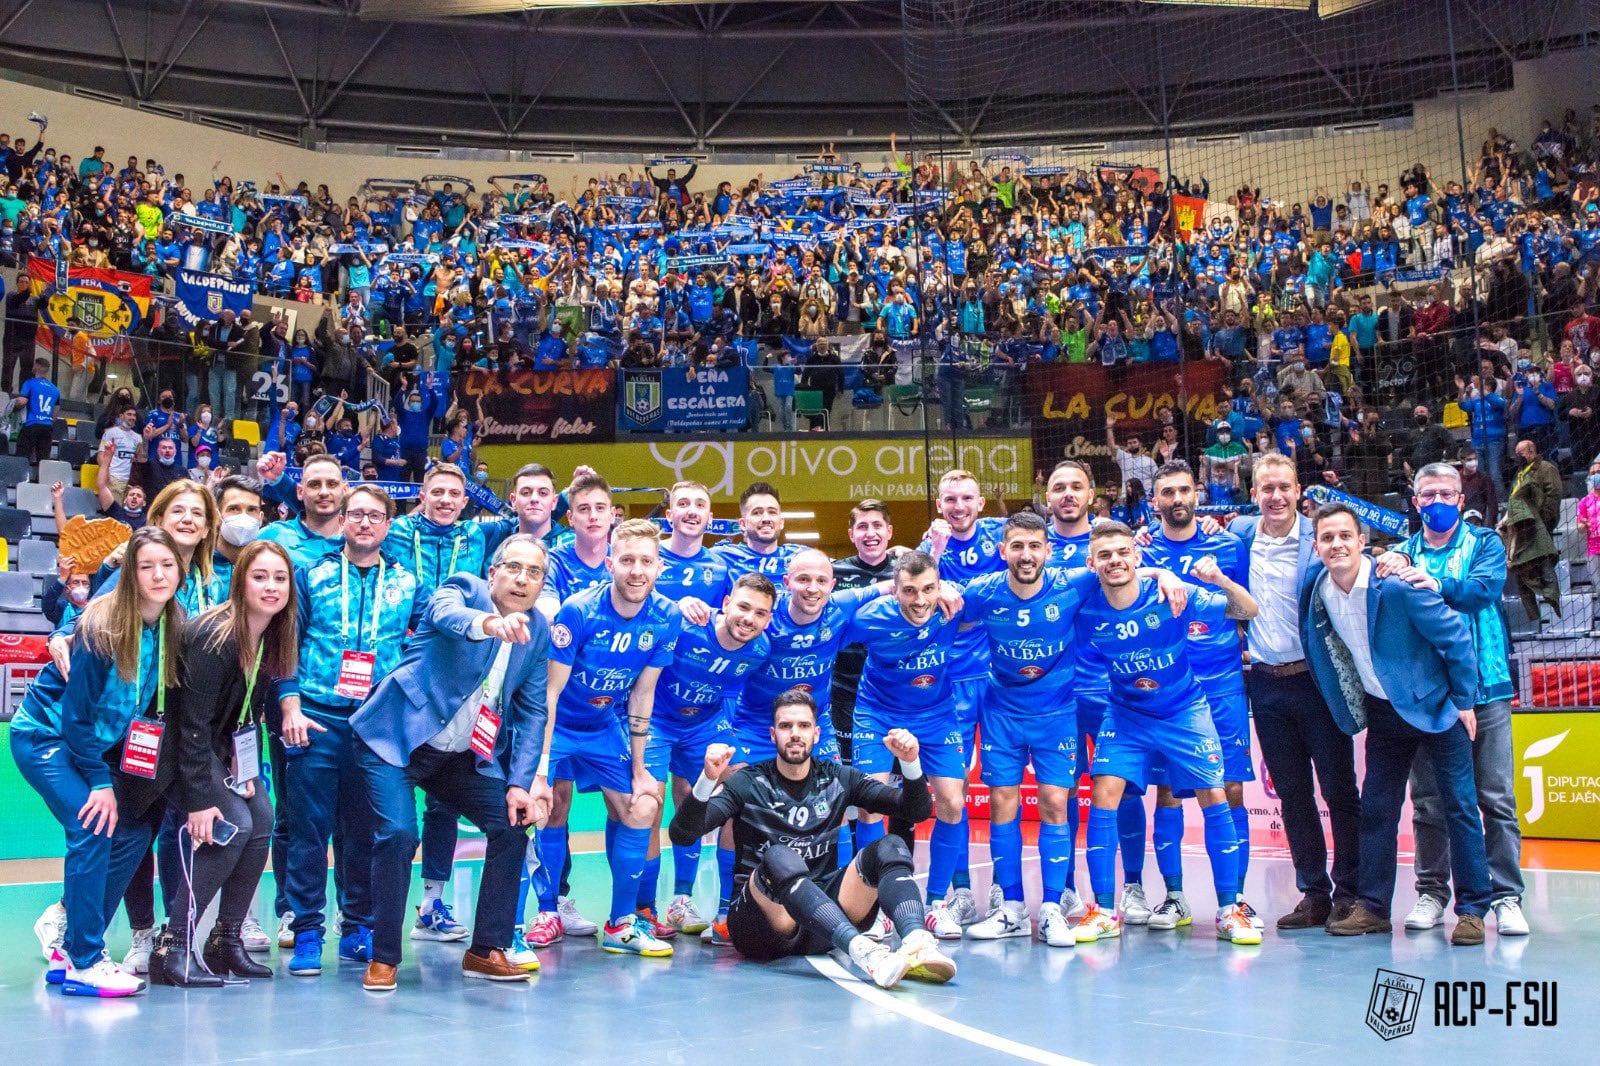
441 667
1244 527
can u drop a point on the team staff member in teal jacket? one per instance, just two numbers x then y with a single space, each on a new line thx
96 750
315 532
355 609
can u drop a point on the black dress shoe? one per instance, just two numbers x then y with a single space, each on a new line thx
226 955
1310 913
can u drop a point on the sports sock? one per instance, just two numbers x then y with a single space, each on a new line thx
944 851
962 878
869 832
1055 858
553 846
649 881
628 848
1223 848
725 862
1169 846
1130 837
1100 849
1241 831
685 865
901 899
808 905
432 889
847 845
1005 848
523 884
1073 818
611 836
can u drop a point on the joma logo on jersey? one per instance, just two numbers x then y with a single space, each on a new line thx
1198 629
923 681
1146 684
1032 671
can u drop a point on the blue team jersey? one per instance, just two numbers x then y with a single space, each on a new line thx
566 574
702 672
304 547
607 653
801 656
907 674
703 576
1032 642
1215 651
1068 551
962 561
1147 649
42 398
741 559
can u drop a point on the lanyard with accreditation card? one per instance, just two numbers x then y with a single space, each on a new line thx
416 550
247 737
486 723
141 750
356 667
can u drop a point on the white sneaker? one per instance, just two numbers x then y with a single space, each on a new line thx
1171 912
573 922
1508 917
1054 929
1250 912
137 960
1135 910
941 923
286 931
103 980
51 929
1234 926
1098 924
882 929
255 938
963 906
1427 914
521 954
885 966
1073 906
685 917
1008 920
928 963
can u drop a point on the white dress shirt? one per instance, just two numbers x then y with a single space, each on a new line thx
1348 613
1274 633
457 736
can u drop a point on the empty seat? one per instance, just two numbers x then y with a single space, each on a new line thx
36 557
245 430
74 452
14 469
14 523
16 591
80 501
35 499
88 476
53 470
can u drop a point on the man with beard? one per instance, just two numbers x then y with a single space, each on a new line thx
761 522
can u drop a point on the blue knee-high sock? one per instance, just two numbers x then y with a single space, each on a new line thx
649 881
725 862
628 849
868 833
1074 817
1241 830
944 851
1005 847
553 849
611 836
1169 846
1222 845
1130 838
1100 849
962 878
847 845
685 864
522 895
1055 858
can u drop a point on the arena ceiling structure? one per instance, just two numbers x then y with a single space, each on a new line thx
772 75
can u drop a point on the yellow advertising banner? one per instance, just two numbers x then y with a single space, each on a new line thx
1558 774
820 468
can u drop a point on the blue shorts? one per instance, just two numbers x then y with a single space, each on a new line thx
1131 742
1230 713
940 737
753 746
968 697
677 744
593 758
1011 741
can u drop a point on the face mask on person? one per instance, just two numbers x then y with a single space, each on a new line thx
1224 438
414 404
481 475
1441 517
205 418
166 460
78 594
1421 421
1470 466
202 462
1307 433
240 529
1533 380
1583 382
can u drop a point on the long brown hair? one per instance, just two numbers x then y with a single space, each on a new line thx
112 625
280 651
207 547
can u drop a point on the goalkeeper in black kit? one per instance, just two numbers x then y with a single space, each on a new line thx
789 896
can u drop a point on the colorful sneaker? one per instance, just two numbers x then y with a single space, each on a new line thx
572 921
55 970
885 966
1234 925
926 961
520 954
51 929
1097 924
1135 909
684 917
356 946
1171 912
103 980
881 929
435 922
964 906
658 929
286 930
1250 912
546 929
1010 919
632 936
1073 906
1054 929
307 958
137 960
941 923
254 937
716 935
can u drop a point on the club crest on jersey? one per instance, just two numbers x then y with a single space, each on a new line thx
560 636
1052 613
1152 619
1032 671
826 635
821 808
923 681
647 640
600 701
1146 684
391 595
1198 629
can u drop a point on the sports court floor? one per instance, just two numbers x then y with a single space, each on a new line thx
1150 997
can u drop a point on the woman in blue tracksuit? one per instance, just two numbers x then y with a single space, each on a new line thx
97 751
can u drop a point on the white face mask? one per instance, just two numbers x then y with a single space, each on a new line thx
240 529
205 418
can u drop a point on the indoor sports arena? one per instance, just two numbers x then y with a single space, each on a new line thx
1059 531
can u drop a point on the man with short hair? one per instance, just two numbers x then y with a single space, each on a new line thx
580 563
319 529
1393 659
38 397
1068 500
761 522
238 522
688 567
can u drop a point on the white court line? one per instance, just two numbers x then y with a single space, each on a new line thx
825 965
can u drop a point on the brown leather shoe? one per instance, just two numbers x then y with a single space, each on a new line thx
1309 913
380 977
491 967
1359 921
1341 909
1468 931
